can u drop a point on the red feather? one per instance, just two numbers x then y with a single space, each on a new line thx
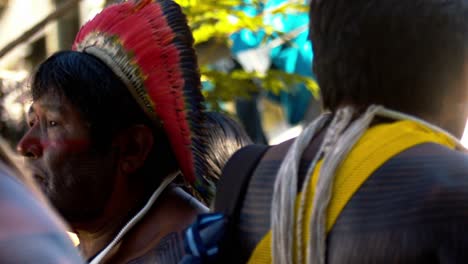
144 33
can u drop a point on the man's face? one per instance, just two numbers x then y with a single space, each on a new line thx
76 178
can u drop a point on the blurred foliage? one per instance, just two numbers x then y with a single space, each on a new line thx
212 23
12 124
239 83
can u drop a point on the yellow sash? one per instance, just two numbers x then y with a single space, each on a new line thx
378 145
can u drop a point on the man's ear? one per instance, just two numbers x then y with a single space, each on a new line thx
134 144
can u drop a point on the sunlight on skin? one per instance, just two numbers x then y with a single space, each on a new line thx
465 136
74 238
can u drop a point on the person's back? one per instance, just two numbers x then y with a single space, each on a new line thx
375 183
401 214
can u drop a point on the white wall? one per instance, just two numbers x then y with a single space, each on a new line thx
89 8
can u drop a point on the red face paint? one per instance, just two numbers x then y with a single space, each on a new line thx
69 145
58 149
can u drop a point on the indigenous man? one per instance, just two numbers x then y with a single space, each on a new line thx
380 178
113 123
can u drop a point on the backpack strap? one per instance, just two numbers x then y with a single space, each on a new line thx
231 191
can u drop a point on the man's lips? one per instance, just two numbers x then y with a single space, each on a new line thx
38 175
40 181
39 178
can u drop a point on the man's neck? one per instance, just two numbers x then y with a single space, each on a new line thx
95 235
92 242
173 212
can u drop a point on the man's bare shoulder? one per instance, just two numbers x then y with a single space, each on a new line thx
169 250
425 184
450 189
416 204
159 237
447 172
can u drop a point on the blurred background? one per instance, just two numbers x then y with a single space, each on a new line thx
254 58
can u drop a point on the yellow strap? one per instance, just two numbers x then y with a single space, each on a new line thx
377 145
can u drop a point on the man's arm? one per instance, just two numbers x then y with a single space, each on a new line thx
451 206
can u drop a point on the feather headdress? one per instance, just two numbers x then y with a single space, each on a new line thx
149 46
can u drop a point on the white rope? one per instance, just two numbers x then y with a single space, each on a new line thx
339 123
339 139
316 250
135 219
285 189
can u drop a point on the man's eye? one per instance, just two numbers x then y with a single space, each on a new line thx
52 124
32 122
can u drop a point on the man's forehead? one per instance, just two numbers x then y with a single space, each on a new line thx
50 102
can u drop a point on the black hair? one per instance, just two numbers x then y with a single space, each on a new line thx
103 100
225 137
399 53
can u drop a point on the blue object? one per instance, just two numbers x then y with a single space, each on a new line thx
201 239
295 56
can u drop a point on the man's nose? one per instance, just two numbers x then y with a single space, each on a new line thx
30 145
